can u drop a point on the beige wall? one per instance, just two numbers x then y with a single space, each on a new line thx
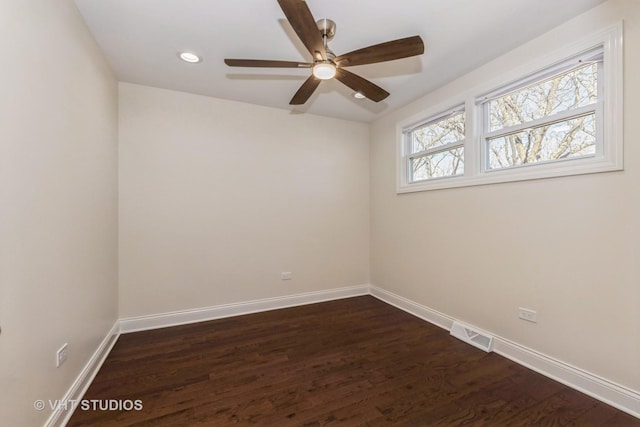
58 203
566 247
217 198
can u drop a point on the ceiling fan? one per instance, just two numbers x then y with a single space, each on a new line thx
326 65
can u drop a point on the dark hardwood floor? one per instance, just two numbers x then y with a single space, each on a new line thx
349 362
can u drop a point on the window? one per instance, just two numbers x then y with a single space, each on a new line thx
553 116
558 115
436 147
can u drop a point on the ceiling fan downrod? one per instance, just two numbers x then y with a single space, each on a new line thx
327 28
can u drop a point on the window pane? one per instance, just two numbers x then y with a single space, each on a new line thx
446 131
444 163
574 89
557 141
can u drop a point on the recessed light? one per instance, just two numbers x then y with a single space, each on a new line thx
359 95
189 57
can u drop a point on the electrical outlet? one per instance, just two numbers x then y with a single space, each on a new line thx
528 315
285 275
61 355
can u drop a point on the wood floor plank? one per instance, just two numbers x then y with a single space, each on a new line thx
350 362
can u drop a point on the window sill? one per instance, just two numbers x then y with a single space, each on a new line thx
522 173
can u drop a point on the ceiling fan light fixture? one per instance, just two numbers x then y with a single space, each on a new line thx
189 57
324 70
359 95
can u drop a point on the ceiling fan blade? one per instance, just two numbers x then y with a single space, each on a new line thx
304 24
388 51
266 63
305 91
359 84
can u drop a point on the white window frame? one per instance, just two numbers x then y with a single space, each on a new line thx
483 106
407 142
609 140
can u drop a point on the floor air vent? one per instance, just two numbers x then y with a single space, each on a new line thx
473 337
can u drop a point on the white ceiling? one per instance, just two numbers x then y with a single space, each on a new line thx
141 39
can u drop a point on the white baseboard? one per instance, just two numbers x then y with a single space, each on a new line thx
616 395
61 415
609 392
418 310
133 324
